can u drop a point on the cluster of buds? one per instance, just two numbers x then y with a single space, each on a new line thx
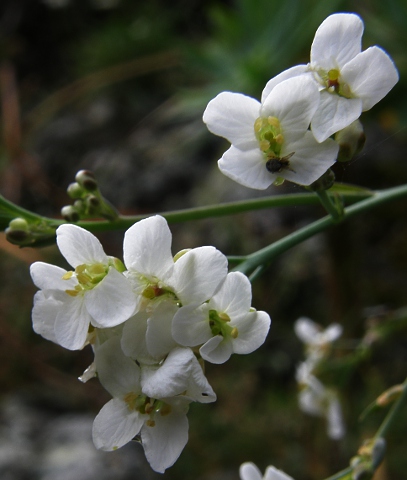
152 321
88 201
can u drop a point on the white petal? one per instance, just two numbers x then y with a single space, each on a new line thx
164 442
171 377
44 314
159 335
46 276
197 274
371 75
112 301
234 297
310 160
147 247
190 326
232 116
252 332
337 40
249 471
79 246
72 323
294 103
285 75
332 332
246 167
217 349
334 114
199 389
134 338
273 473
336 428
117 373
115 425
306 330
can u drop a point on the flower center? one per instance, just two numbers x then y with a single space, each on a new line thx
219 324
88 277
269 135
333 83
147 406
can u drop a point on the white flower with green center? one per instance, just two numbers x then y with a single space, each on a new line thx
249 471
95 293
226 324
150 402
350 81
270 140
164 283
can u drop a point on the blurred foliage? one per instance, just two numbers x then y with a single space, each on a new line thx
120 88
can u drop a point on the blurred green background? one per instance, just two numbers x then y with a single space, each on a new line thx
119 87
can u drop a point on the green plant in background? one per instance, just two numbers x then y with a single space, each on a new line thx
247 48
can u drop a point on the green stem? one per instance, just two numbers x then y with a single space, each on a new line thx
342 474
267 254
333 207
393 413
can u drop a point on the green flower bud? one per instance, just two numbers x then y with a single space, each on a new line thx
351 141
19 224
74 190
70 214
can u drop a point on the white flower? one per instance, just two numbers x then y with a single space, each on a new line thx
148 401
271 140
350 81
226 324
95 293
163 283
317 341
315 399
249 471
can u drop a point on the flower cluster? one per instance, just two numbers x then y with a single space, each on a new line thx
314 397
141 317
286 135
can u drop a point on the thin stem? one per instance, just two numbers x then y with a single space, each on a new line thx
267 254
393 413
342 474
328 202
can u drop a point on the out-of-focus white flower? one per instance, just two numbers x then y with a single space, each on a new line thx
164 283
249 471
226 324
148 401
315 399
95 293
271 140
317 341
350 81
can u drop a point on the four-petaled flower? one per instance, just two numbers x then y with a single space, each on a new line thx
271 140
350 81
95 293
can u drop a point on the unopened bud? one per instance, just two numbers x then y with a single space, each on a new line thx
324 182
74 190
87 180
19 224
92 202
390 395
351 141
70 214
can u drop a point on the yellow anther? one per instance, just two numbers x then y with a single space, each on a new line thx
273 121
97 269
258 124
72 293
279 139
150 423
333 74
67 276
234 333
264 145
224 316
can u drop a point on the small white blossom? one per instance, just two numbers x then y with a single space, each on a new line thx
271 140
226 324
164 283
249 471
315 399
95 293
317 341
350 81
150 402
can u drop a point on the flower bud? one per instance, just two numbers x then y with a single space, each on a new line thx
351 141
19 224
74 190
324 182
87 180
70 214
